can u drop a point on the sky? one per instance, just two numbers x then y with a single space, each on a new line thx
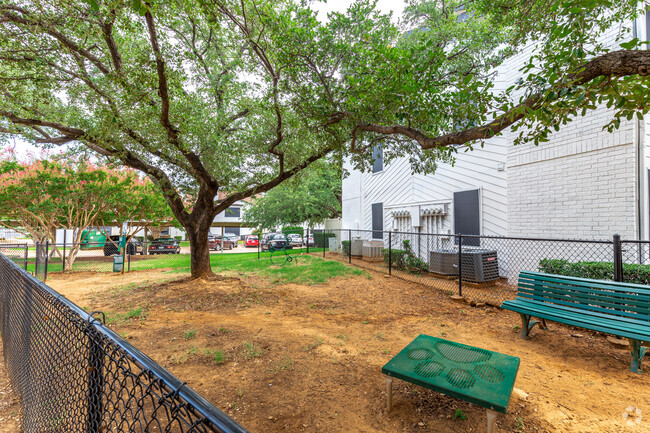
23 148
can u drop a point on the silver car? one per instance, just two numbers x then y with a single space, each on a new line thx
295 239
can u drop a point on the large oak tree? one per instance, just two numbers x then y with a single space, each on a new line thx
240 95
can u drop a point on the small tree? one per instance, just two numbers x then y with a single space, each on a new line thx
41 196
312 196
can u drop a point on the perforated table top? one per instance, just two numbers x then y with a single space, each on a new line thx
476 375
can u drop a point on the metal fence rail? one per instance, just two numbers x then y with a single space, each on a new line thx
73 374
479 268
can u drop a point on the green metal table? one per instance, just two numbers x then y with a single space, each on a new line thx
468 373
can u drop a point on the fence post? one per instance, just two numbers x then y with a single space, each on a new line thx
95 381
326 241
350 246
129 270
64 242
47 255
618 259
36 260
460 265
26 256
307 241
259 243
390 253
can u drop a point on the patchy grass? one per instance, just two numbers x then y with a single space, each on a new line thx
252 350
121 318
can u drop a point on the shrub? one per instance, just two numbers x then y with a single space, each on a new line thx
405 259
321 240
178 238
632 273
345 247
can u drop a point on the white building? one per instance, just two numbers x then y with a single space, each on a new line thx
584 183
231 219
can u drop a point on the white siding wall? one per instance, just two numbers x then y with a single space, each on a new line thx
580 184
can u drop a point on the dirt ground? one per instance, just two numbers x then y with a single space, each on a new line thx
288 357
9 403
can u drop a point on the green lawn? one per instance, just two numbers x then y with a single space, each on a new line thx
301 269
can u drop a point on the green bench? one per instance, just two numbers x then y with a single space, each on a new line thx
620 309
476 375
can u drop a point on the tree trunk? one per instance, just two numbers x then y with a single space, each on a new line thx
199 248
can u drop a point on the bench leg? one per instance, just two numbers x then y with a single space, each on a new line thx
638 352
491 420
527 325
389 393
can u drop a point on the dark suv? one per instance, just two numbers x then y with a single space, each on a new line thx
277 241
164 246
133 246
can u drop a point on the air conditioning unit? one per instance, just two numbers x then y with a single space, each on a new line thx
479 265
357 247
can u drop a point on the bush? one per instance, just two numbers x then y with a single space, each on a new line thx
178 238
345 247
632 273
321 240
405 259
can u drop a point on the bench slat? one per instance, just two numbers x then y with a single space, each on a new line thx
594 303
634 298
586 282
560 316
580 315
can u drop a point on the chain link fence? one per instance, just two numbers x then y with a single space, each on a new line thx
73 374
479 268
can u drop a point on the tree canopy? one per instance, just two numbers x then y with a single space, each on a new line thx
240 95
41 196
311 197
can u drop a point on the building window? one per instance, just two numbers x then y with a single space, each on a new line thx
233 212
377 220
377 159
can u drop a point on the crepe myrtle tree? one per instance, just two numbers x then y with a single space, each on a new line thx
240 95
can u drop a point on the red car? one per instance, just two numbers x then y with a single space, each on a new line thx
252 241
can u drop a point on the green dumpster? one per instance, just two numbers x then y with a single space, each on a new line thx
92 239
118 263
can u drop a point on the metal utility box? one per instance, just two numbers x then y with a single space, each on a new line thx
479 265
372 250
334 245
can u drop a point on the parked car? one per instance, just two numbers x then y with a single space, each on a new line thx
310 241
133 246
295 239
164 246
215 242
251 241
276 241
234 238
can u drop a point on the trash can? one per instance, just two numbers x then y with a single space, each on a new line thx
118 263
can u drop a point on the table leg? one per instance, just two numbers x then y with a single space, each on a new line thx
491 420
389 393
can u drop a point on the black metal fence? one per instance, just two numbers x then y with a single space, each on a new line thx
73 374
478 268
486 268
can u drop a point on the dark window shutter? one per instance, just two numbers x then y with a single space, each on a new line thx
377 220
233 212
467 216
377 159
